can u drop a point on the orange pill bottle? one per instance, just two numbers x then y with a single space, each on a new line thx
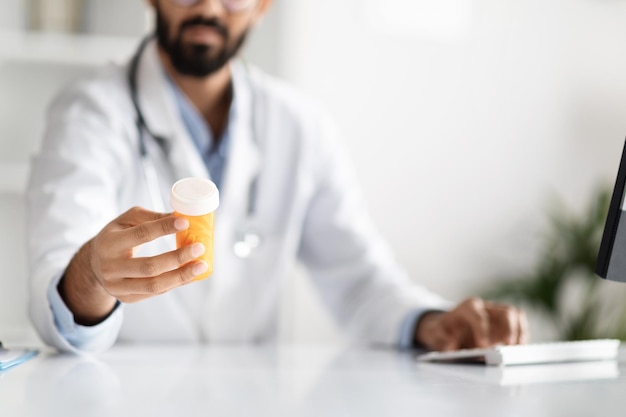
196 199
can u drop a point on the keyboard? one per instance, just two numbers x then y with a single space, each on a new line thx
534 353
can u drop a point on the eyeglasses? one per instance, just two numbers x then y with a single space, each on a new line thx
232 6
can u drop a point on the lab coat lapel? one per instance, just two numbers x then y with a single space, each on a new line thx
230 290
244 157
182 157
162 117
241 169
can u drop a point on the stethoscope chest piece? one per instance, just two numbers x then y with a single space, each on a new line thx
247 242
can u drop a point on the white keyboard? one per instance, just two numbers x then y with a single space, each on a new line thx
574 351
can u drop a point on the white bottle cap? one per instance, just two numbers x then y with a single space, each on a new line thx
194 196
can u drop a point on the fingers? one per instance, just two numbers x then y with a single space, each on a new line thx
112 263
509 324
505 324
477 318
135 289
158 265
147 231
524 328
475 323
140 278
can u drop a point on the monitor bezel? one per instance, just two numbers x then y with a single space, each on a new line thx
612 220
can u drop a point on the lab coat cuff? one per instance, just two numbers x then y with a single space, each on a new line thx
80 337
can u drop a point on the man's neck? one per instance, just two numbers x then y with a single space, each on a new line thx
211 95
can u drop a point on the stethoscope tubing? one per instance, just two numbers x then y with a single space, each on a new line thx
247 240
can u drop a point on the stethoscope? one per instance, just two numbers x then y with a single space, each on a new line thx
247 239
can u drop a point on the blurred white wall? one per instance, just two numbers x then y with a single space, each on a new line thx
463 117
13 15
466 118
115 17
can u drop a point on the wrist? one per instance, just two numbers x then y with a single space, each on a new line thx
81 291
424 329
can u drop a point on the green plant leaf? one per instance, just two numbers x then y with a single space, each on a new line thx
569 252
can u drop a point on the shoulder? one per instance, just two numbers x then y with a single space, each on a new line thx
102 93
300 122
92 113
285 99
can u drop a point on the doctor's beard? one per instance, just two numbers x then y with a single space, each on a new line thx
197 60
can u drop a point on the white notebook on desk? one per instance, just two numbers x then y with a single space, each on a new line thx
554 352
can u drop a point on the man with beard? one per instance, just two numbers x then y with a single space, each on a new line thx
103 264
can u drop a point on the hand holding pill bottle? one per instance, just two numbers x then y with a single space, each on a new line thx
196 199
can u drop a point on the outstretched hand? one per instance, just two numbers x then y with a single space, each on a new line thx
473 323
105 269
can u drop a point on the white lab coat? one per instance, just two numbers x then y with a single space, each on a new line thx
308 209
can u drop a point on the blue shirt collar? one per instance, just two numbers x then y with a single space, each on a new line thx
201 134
196 125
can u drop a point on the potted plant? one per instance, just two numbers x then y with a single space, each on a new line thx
562 287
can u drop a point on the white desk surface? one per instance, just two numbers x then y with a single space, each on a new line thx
221 381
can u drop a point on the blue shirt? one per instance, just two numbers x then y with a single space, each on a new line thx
214 156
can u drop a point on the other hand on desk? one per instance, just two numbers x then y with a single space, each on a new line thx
473 323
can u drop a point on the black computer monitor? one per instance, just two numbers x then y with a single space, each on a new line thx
611 262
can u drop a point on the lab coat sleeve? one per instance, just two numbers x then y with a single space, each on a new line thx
83 338
353 267
71 195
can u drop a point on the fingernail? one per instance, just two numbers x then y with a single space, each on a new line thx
181 223
197 249
200 268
